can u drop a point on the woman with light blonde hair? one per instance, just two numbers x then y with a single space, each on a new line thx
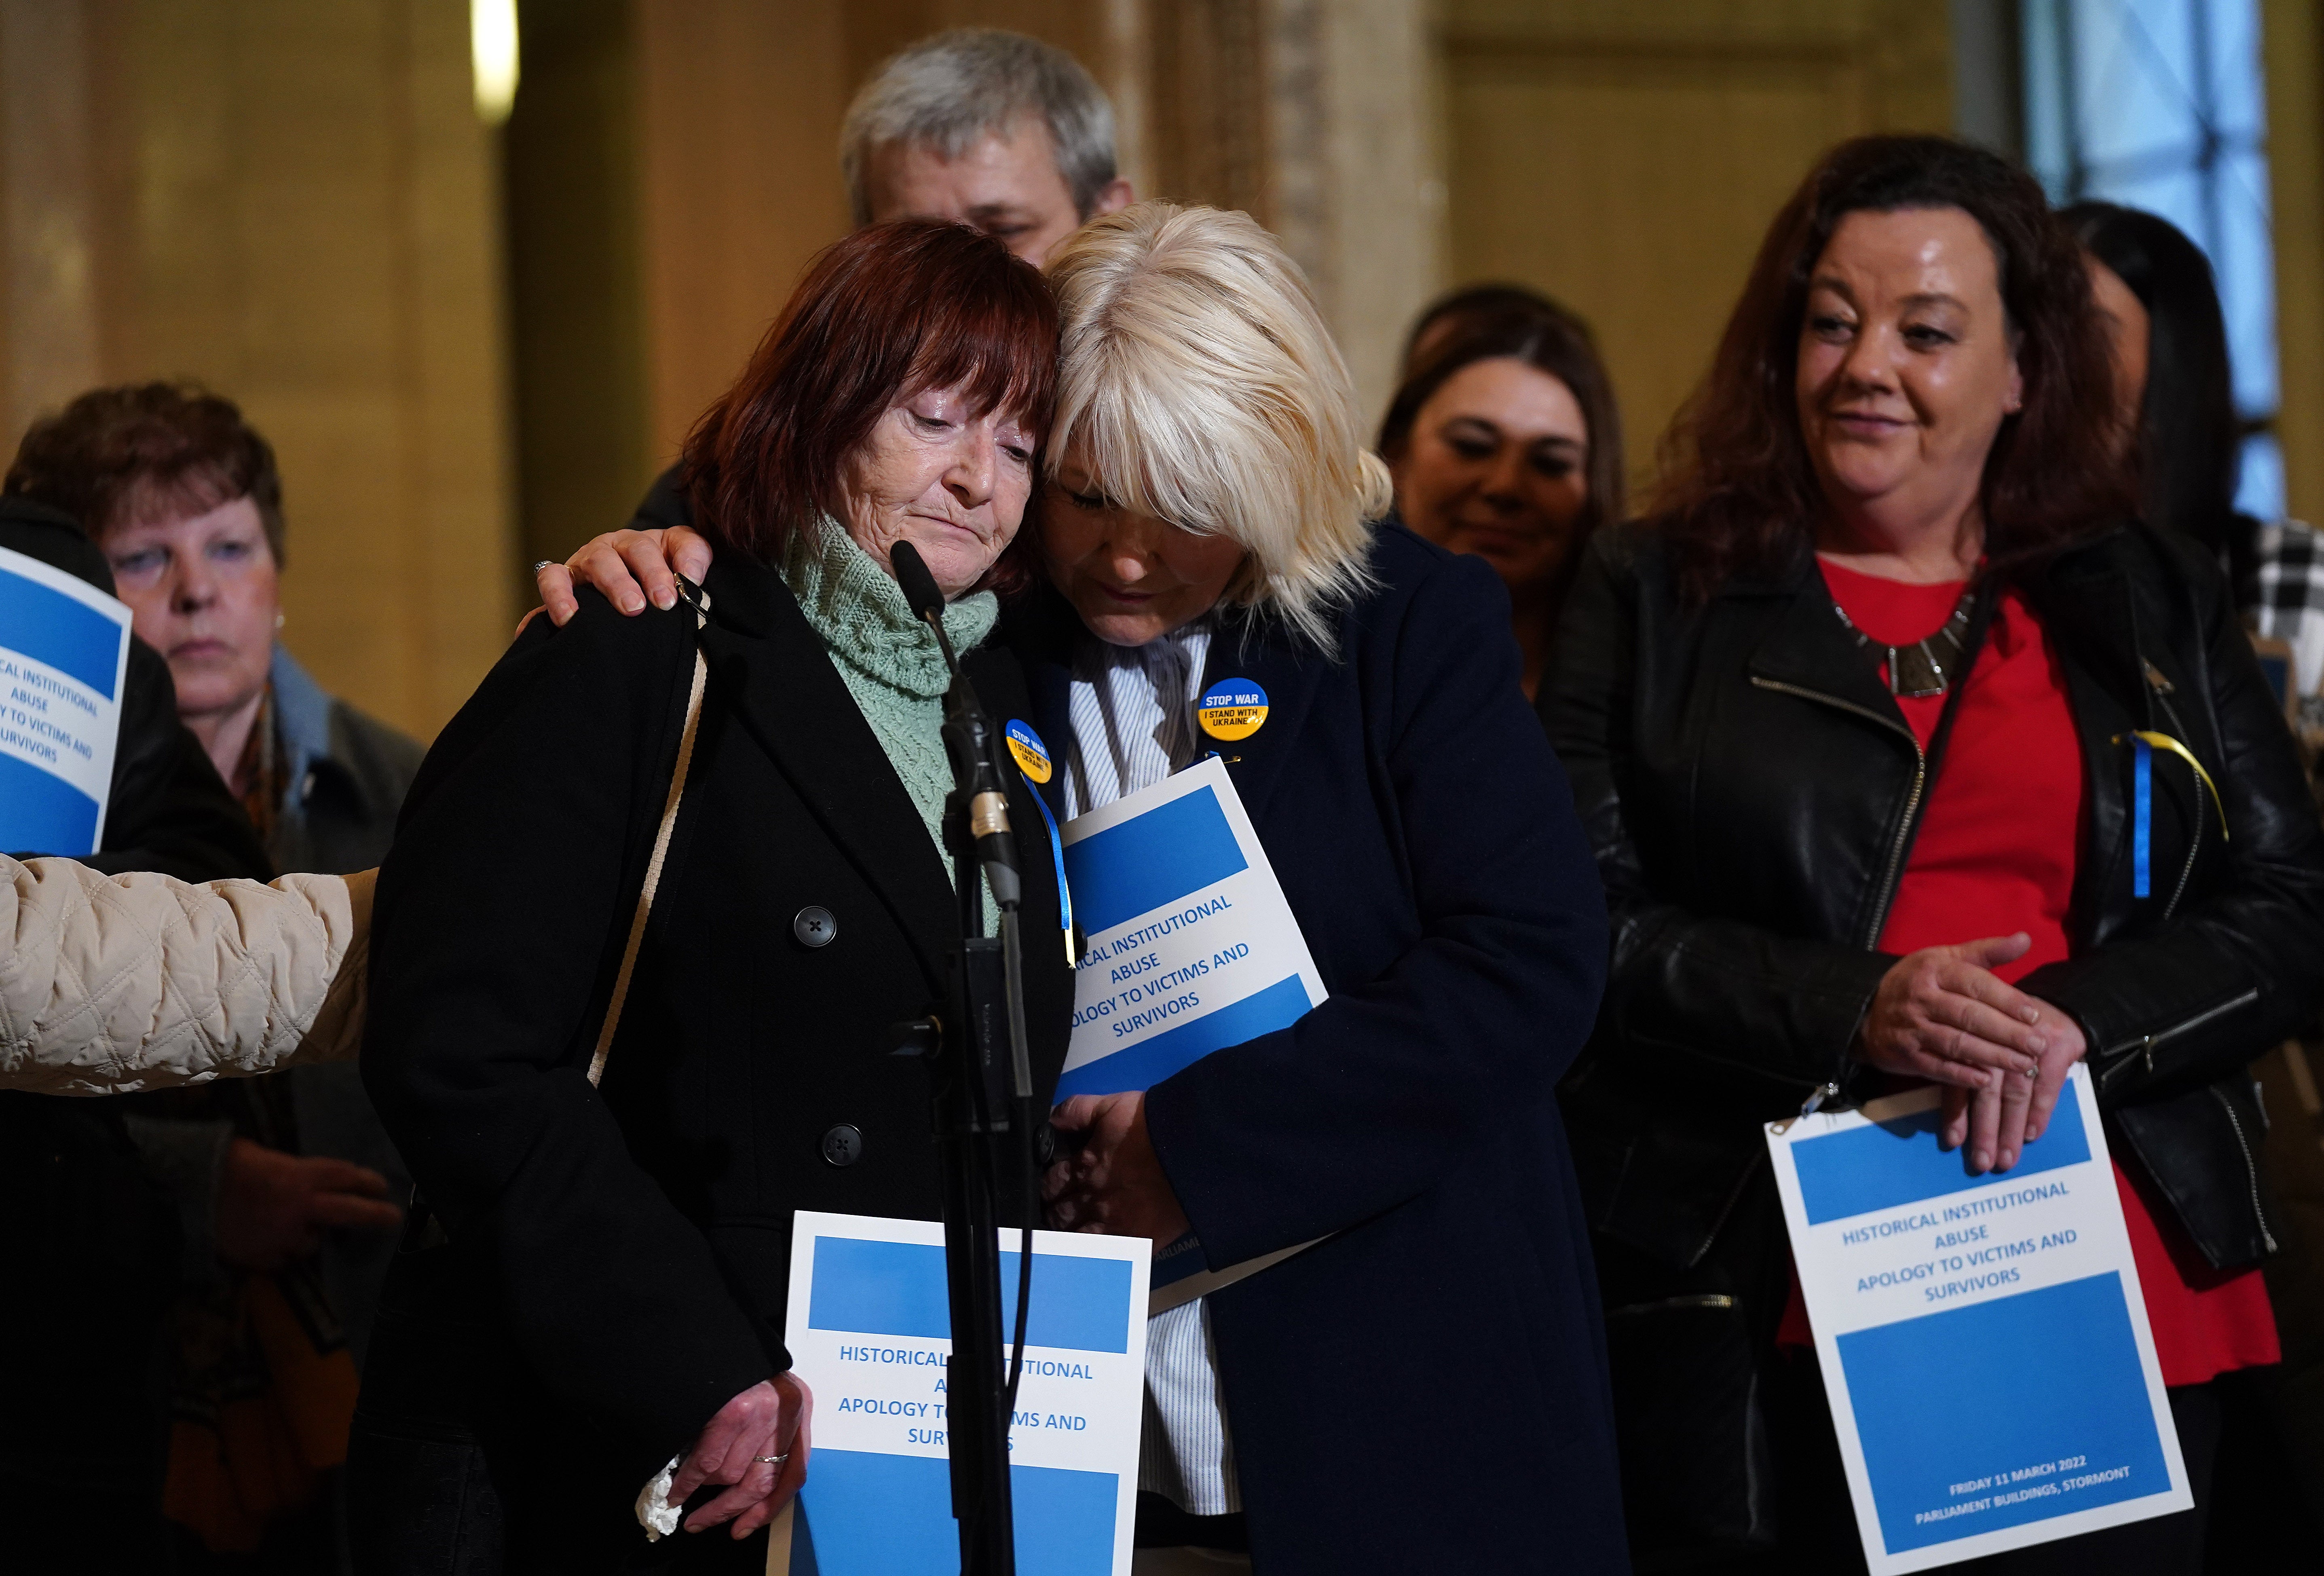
1423 1390
1202 385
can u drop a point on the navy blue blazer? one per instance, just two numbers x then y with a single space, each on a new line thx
1426 1389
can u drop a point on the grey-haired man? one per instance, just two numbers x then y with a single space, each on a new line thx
998 131
1002 132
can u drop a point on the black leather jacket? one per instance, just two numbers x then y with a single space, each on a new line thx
1752 792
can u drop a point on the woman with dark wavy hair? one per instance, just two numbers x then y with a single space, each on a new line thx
1849 719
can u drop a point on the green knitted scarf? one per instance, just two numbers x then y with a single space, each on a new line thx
886 657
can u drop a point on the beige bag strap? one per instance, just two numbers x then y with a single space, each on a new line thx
779 1539
660 847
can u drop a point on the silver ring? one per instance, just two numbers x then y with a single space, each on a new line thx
547 564
773 1461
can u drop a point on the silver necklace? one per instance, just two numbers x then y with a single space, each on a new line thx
1917 670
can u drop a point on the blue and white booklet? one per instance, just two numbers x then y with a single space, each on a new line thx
1192 948
64 651
870 1329
1983 1344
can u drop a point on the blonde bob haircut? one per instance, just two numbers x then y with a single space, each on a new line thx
1201 387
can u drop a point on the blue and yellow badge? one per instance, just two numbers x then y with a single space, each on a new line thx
1233 709
1032 755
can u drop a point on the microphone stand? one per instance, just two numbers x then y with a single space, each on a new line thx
982 1075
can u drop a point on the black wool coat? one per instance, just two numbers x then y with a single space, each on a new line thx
618 1257
1425 1389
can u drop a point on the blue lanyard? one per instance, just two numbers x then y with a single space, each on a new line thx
1057 853
2142 815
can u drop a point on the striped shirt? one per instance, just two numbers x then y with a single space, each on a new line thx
1133 716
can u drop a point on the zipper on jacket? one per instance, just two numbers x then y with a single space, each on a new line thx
2251 1167
1912 801
2194 847
1711 1300
2143 1048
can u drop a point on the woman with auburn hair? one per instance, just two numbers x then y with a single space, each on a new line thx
1424 1388
598 1285
1849 720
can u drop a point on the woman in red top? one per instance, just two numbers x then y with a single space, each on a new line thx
1851 723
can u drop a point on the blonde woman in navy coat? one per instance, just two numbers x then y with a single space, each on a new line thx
1424 1390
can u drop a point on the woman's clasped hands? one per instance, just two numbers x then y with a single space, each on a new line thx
2000 1055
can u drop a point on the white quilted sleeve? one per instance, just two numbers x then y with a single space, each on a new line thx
112 984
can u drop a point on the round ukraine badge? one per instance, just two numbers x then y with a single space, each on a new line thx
1233 708
1032 755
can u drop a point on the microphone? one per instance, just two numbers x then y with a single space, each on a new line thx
969 735
927 602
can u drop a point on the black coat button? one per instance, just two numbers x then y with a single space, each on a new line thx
815 926
843 1145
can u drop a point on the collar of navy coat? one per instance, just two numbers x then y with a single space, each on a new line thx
1041 627
769 667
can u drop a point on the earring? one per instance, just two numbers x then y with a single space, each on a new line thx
278 619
